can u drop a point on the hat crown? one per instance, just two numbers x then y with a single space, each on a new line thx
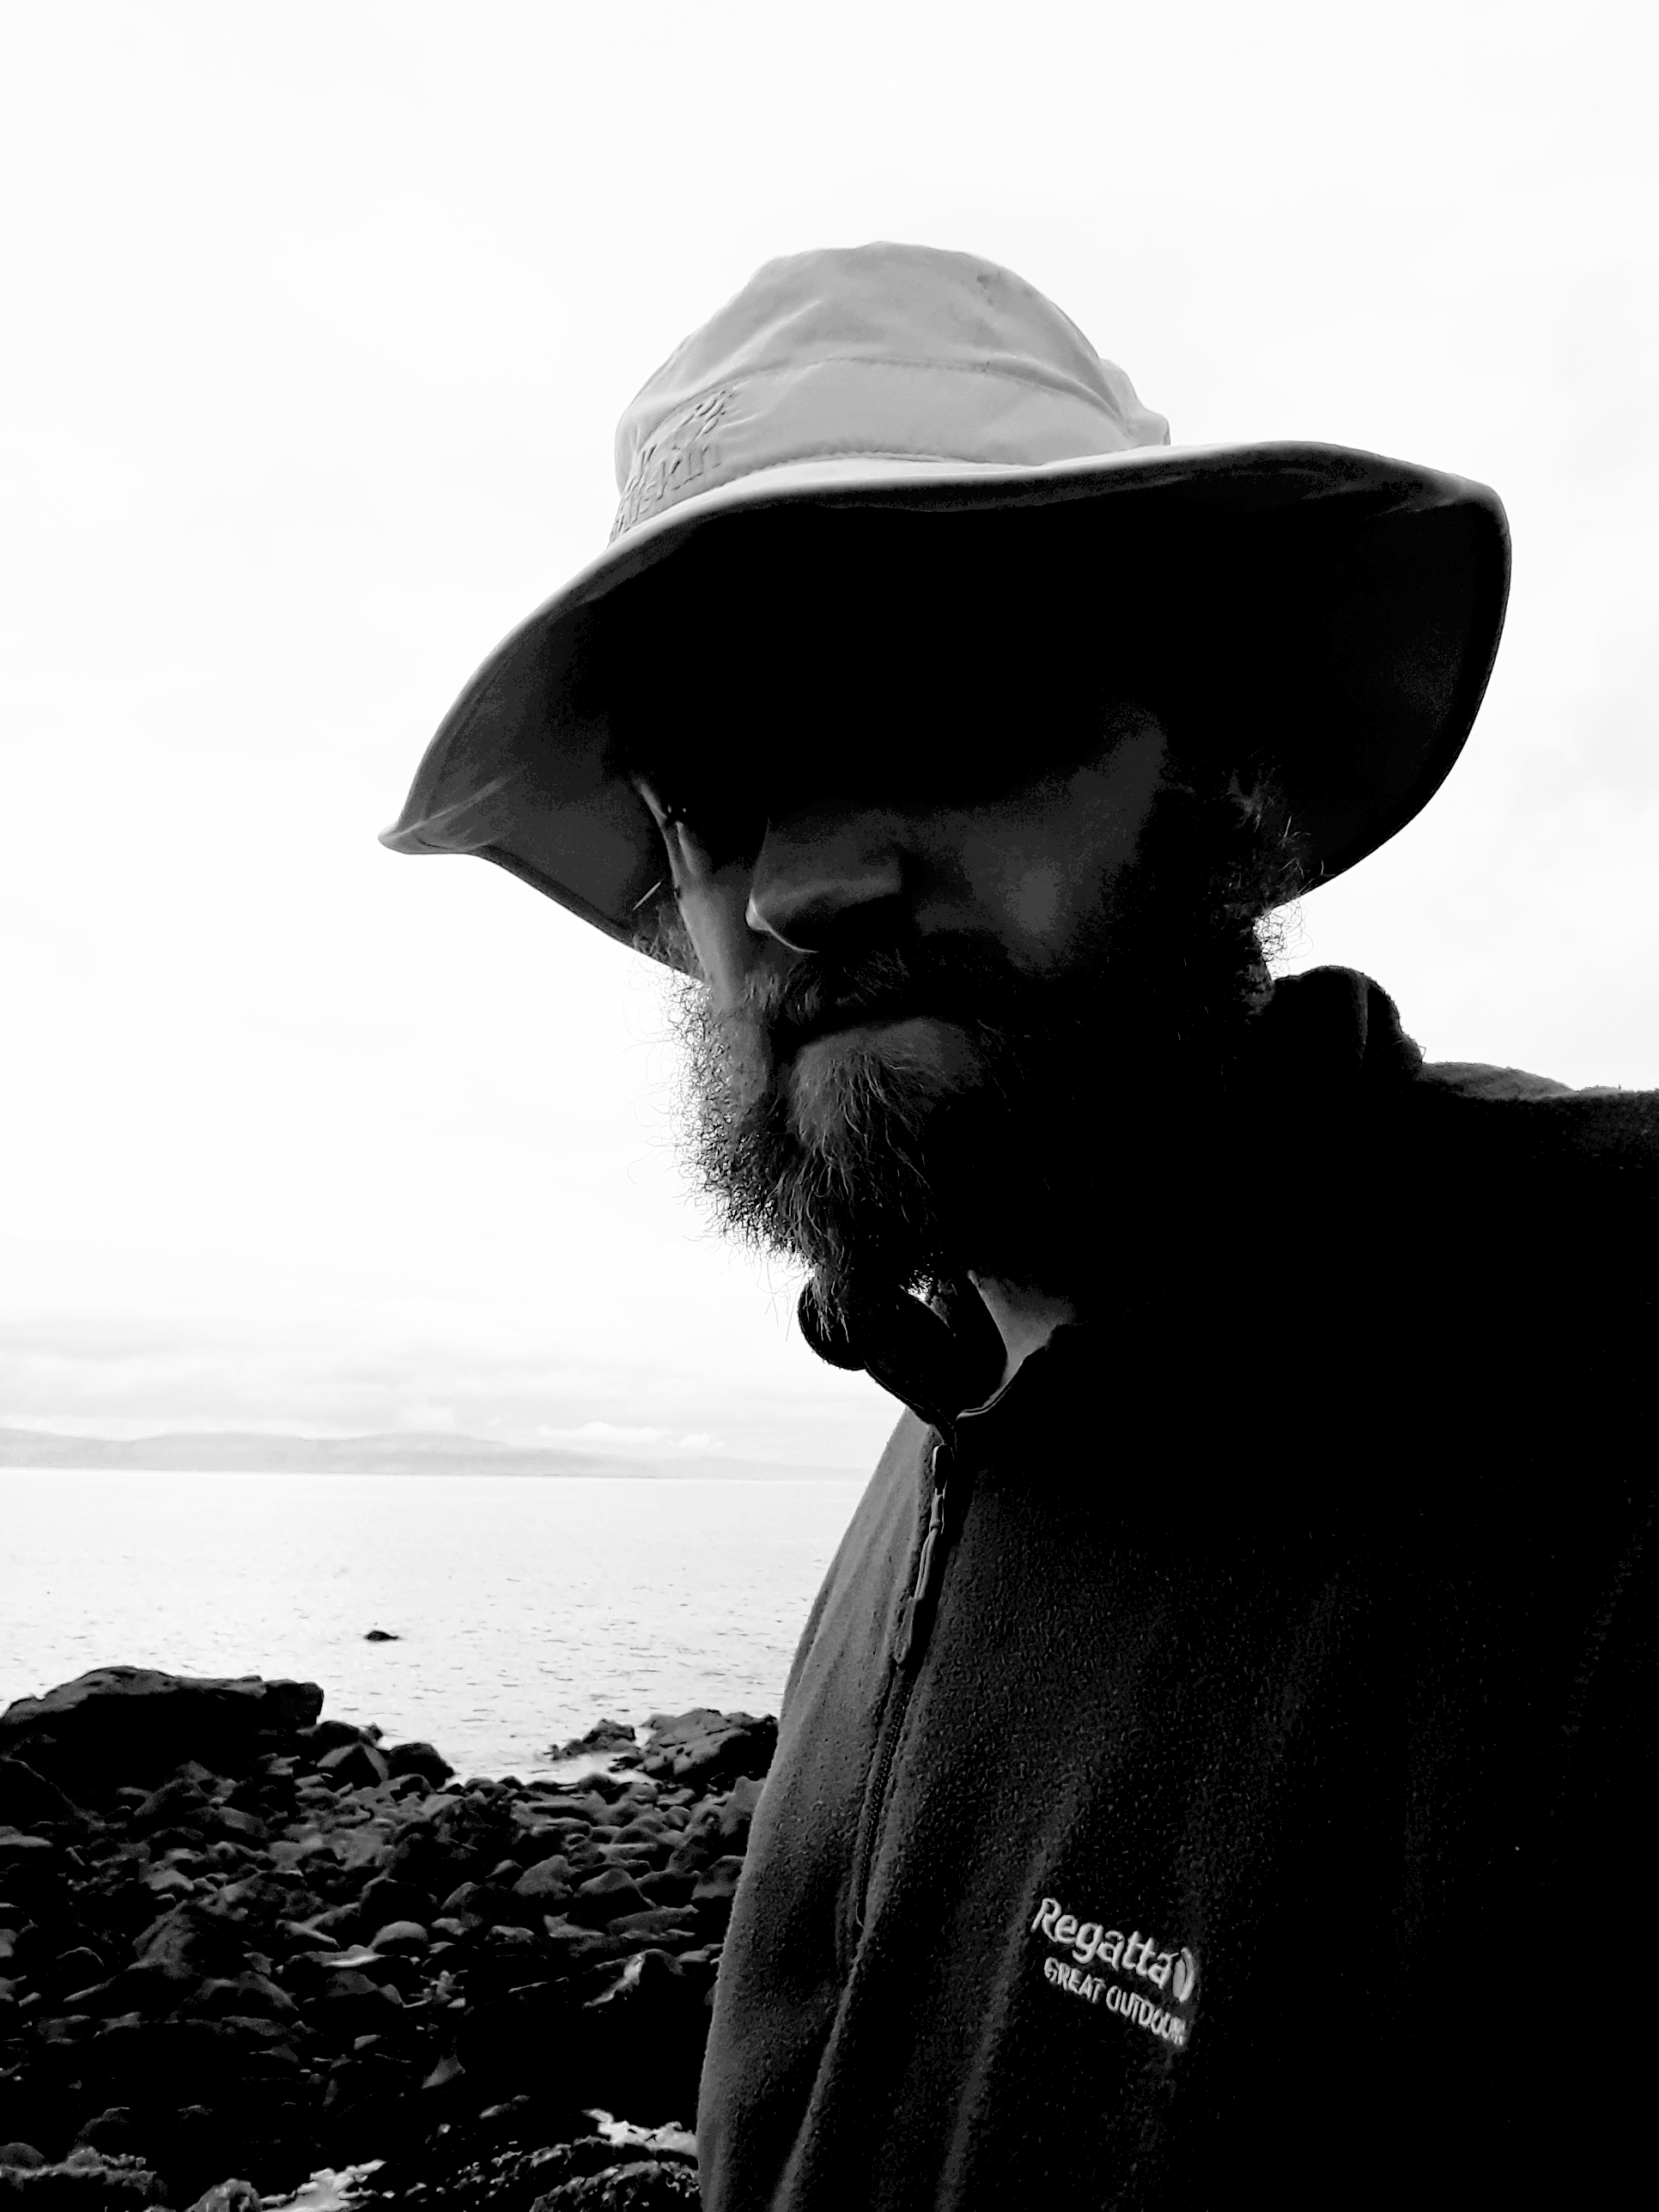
899 353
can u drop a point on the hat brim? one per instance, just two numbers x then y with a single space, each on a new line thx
1395 578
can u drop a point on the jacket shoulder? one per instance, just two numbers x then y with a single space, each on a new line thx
1601 1121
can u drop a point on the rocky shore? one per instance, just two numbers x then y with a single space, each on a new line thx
240 1944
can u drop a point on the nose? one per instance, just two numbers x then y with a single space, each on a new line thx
815 883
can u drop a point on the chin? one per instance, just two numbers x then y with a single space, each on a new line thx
840 1084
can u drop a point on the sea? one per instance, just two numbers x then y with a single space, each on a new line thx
523 1608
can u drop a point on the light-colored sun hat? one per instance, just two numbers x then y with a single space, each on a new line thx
903 381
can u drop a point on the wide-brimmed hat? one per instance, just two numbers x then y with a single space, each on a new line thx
1344 608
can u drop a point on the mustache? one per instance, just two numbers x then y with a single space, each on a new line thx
953 977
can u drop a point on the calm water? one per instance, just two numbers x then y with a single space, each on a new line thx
525 1608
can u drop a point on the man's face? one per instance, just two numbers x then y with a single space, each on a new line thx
910 1019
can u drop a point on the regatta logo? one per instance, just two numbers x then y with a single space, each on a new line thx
1090 1942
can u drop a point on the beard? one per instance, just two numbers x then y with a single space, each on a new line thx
962 1115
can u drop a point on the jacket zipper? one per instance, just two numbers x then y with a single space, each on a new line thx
904 1653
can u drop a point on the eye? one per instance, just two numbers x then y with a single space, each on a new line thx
720 827
724 837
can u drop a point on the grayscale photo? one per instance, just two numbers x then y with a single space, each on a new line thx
902 1459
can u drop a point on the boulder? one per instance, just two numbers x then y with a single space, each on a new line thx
180 1803
605 1897
354 1766
548 1880
400 1939
420 1758
667 1887
651 1926
26 1863
566 1945
324 1736
381 1636
626 2185
78 1968
604 1738
386 1899
715 1889
228 2196
708 1749
240 1825
564 1805
737 1812
137 1725
27 1799
187 1946
110 2131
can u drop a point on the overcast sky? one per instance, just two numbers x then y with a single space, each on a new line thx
321 320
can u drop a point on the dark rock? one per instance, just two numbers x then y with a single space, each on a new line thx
26 1861
569 1945
228 2196
708 1747
339 1923
354 1766
738 1811
712 1898
605 1896
111 2131
380 1636
181 1803
244 1827
386 1899
400 1937
628 2186
324 1736
646 1828
566 1806
458 1840
88 2177
604 1737
548 1880
633 1858
189 1945
665 1887
240 1890
699 1847
649 1927
135 1725
247 1994
419 1759
492 1902
649 2023
76 1969
27 1799
510 1932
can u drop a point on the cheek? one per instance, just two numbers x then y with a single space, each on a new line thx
1034 899
725 946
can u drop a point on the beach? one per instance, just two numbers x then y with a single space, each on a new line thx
241 1943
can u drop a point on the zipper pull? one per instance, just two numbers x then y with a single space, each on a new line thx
929 1560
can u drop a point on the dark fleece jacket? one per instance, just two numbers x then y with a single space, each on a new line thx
1256 1805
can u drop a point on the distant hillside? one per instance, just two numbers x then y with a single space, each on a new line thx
422 1453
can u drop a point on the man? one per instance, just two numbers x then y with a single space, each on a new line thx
1212 1767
